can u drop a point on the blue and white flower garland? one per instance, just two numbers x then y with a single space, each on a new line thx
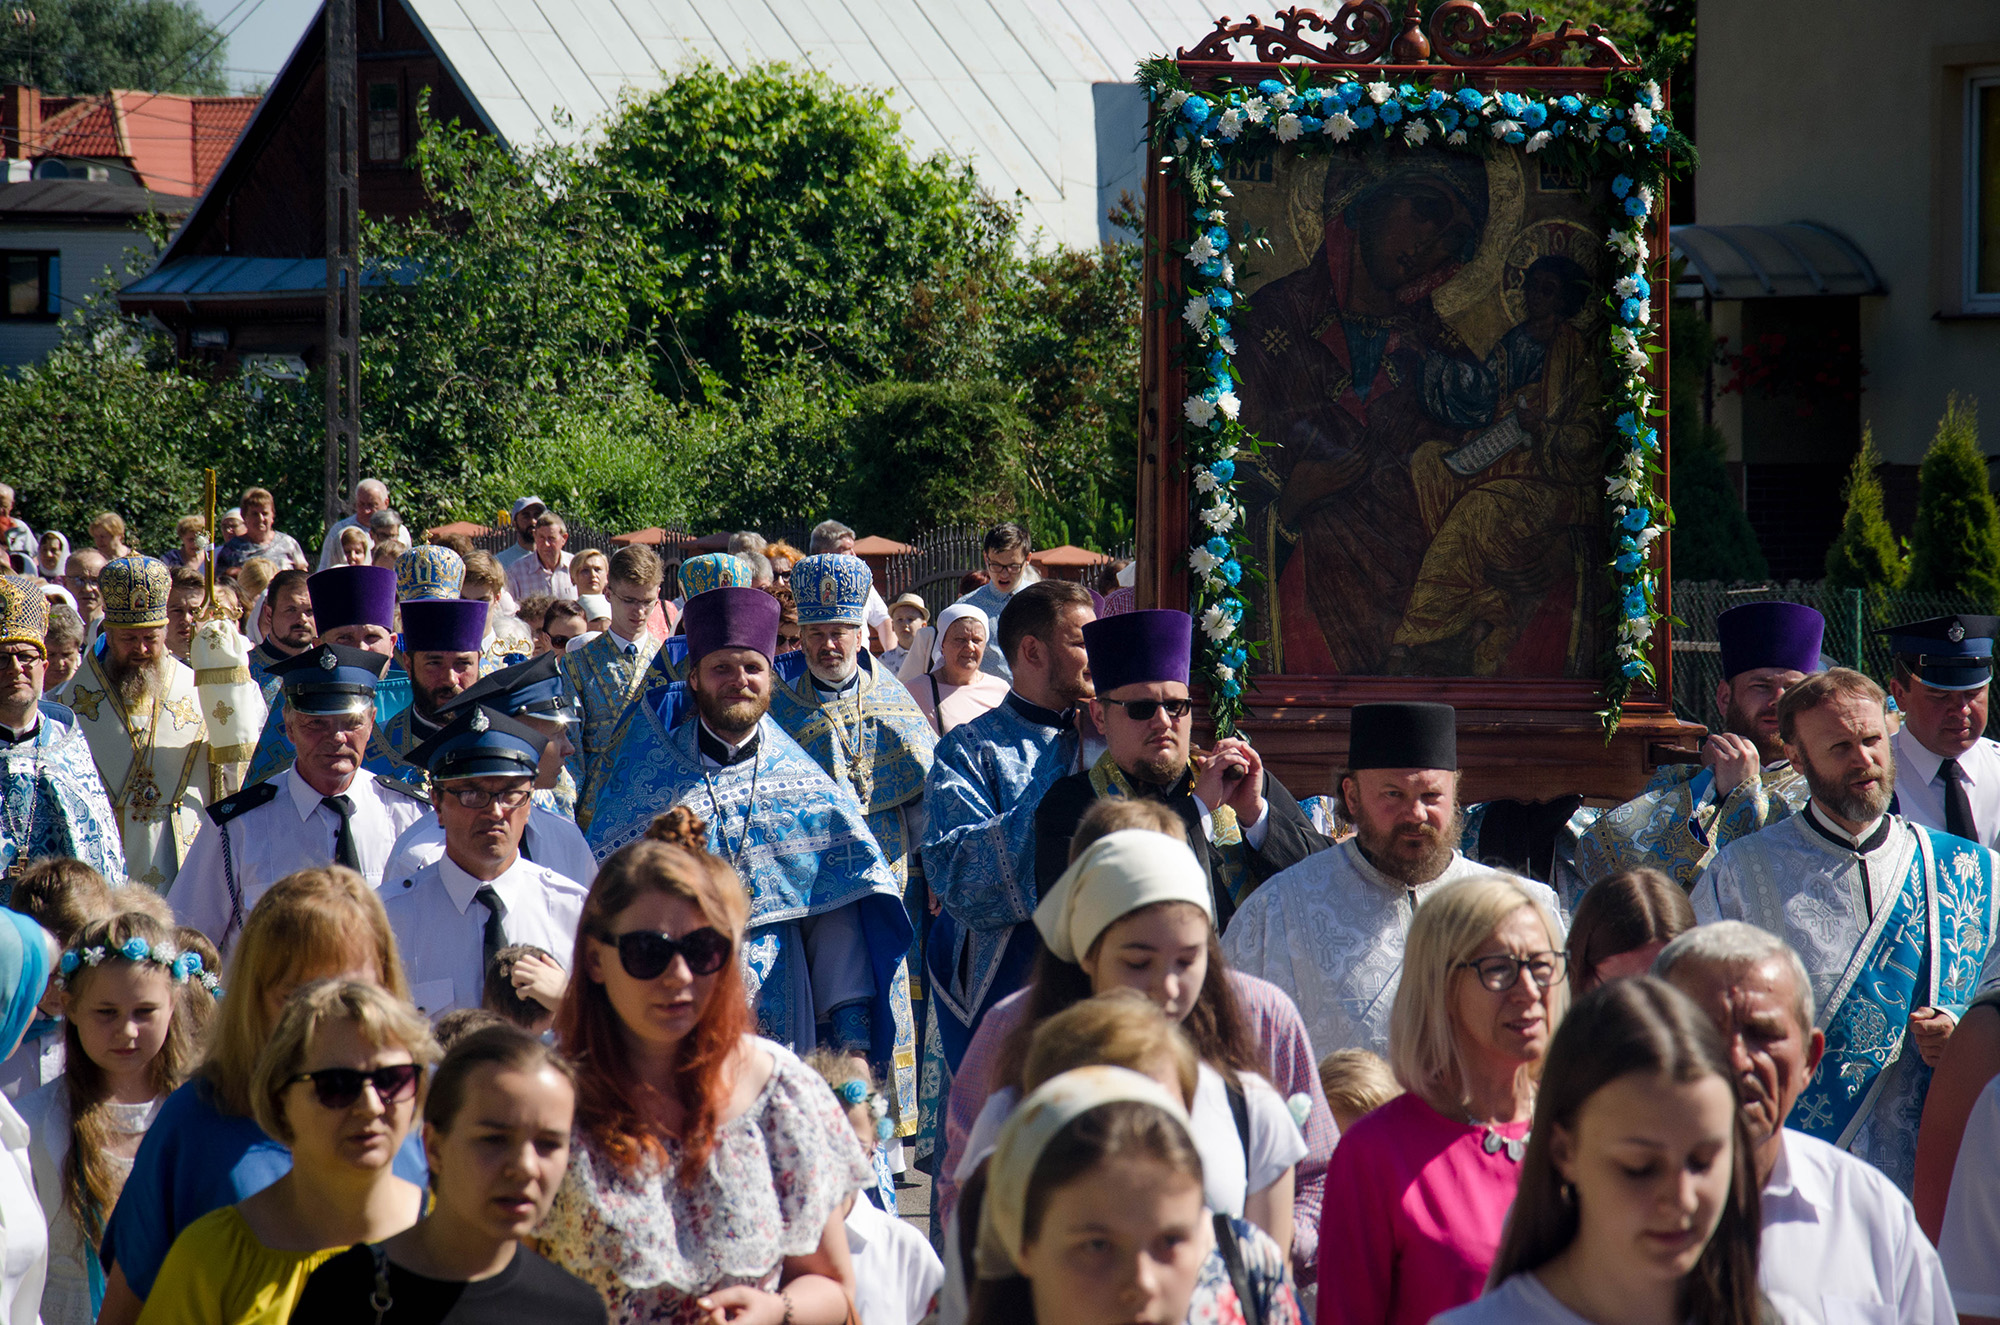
180 965
1195 134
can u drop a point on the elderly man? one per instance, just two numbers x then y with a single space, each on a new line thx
547 571
324 809
833 536
288 627
606 675
825 949
526 511
481 893
1743 783
1330 931
82 576
52 802
1006 550
1246 823
370 495
1950 770
1839 1241
529 693
1892 920
139 707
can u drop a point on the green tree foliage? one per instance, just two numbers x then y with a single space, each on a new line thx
1955 545
922 453
1713 539
84 47
1865 555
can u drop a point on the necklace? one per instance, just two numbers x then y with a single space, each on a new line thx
23 835
1513 1147
835 708
735 853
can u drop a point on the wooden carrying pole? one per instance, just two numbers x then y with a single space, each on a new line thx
343 262
209 610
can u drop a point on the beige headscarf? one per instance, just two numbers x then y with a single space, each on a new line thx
1058 1102
1117 875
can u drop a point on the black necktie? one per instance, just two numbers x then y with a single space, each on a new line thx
1957 805
343 838
494 937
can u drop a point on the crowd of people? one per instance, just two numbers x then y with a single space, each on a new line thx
432 935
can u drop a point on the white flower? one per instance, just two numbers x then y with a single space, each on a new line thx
1201 250
1539 141
1256 111
1627 652
1223 188
1224 673
1196 312
1200 409
1202 561
1627 288
1228 404
1220 516
1204 481
1181 143
1288 127
1501 128
1642 119
1646 196
1648 536
1593 131
1281 100
1379 92
1416 133
1622 486
1176 99
1228 451
1645 312
1456 138
1636 360
1651 91
1231 124
1216 624
1622 339
1338 126
1228 344
1636 629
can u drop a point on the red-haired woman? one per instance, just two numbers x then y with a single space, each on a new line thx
710 1168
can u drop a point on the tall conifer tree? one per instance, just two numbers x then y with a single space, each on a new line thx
1865 555
1955 547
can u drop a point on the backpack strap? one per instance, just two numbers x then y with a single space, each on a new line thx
1239 1274
1239 1109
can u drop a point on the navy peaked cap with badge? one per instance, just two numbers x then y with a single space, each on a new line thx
531 689
330 678
1947 652
481 742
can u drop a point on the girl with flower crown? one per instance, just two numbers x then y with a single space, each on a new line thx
133 1002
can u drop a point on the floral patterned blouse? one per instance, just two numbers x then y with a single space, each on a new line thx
1269 1278
651 1246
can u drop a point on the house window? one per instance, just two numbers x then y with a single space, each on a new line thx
34 285
1982 192
385 122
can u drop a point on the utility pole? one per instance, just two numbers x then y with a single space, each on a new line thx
343 261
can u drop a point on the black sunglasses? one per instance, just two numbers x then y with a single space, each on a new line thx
646 954
1142 710
339 1087
558 643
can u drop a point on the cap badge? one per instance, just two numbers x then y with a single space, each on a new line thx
479 722
327 662
1956 634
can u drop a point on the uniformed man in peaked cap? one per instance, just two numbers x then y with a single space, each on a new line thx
1947 770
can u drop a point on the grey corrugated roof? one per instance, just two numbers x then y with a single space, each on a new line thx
193 278
1037 95
49 198
1772 261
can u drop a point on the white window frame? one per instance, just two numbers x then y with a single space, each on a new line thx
1972 298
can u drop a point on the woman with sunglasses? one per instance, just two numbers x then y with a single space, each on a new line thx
1417 1192
709 1169
205 1149
340 1082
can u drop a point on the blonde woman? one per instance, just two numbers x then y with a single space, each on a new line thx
1417 1193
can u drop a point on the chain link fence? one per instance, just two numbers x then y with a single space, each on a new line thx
1854 622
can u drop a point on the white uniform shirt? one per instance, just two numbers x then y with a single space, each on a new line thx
24 1231
895 1271
551 840
440 930
1969 1242
1920 791
291 831
527 577
1841 1243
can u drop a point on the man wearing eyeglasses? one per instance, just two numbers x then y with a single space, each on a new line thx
531 693
325 809
481 893
1245 825
1331 930
1007 550
607 674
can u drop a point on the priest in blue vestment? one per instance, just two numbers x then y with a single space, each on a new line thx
611 673
828 935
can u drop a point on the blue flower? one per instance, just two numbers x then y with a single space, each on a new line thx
1628 423
1215 162
1220 298
1234 658
1449 118
1311 124
1233 609
135 949
1635 602
70 961
1433 99
1650 439
1218 237
1657 134
1270 87
1217 546
1635 518
1534 114
1221 324
1350 94
1635 206
1224 470
1512 104
1232 571
1364 117
1616 133
1642 287
1218 364
1195 109
1212 269
1556 128
1631 668
1598 113
1517 137
1232 687
187 964
1621 186
852 1092
1627 563
1570 105
1471 98
1392 111
1627 543
1201 215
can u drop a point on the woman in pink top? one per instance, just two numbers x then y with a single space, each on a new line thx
1417 1192
954 691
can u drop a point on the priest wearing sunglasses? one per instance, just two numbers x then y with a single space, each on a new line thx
1247 824
452 915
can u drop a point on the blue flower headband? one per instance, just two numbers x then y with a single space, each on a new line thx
851 1093
180 966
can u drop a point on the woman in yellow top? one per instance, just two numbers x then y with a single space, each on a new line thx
340 1082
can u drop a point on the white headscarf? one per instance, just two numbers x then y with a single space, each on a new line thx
1118 874
957 612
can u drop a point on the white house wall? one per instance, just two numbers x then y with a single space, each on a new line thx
87 254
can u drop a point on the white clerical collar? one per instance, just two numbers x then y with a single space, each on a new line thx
462 888
1838 833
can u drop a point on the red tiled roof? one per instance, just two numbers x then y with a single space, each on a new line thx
175 144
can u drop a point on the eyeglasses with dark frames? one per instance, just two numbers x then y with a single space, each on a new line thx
1142 710
478 798
1502 972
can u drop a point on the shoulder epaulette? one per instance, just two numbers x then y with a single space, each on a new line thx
390 782
232 807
